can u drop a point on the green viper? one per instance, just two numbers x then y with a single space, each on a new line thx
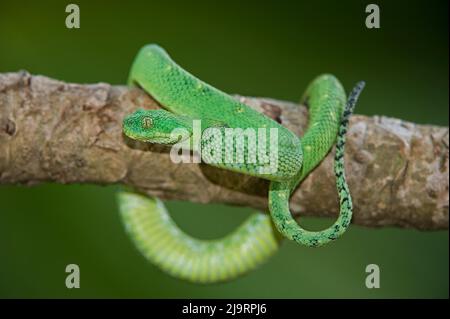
185 99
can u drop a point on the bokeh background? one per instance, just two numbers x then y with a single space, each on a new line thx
256 48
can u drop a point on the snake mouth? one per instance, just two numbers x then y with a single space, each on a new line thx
154 138
129 133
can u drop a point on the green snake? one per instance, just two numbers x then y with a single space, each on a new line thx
185 98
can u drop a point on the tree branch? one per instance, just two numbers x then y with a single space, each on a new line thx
51 131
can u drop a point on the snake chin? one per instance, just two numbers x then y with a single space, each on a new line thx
166 139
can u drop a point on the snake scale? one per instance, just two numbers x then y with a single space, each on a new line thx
185 98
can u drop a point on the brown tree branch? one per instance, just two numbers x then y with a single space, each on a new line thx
51 131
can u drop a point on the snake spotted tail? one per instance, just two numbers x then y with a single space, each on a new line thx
185 99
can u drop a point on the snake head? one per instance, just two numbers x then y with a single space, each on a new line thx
157 126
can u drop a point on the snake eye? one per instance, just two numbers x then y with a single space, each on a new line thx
147 122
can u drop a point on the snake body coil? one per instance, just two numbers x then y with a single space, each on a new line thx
187 98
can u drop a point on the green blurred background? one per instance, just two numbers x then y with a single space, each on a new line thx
257 48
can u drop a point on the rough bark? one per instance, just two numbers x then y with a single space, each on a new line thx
51 131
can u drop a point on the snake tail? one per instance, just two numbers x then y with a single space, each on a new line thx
161 241
280 192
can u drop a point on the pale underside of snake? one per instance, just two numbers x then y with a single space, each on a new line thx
185 99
